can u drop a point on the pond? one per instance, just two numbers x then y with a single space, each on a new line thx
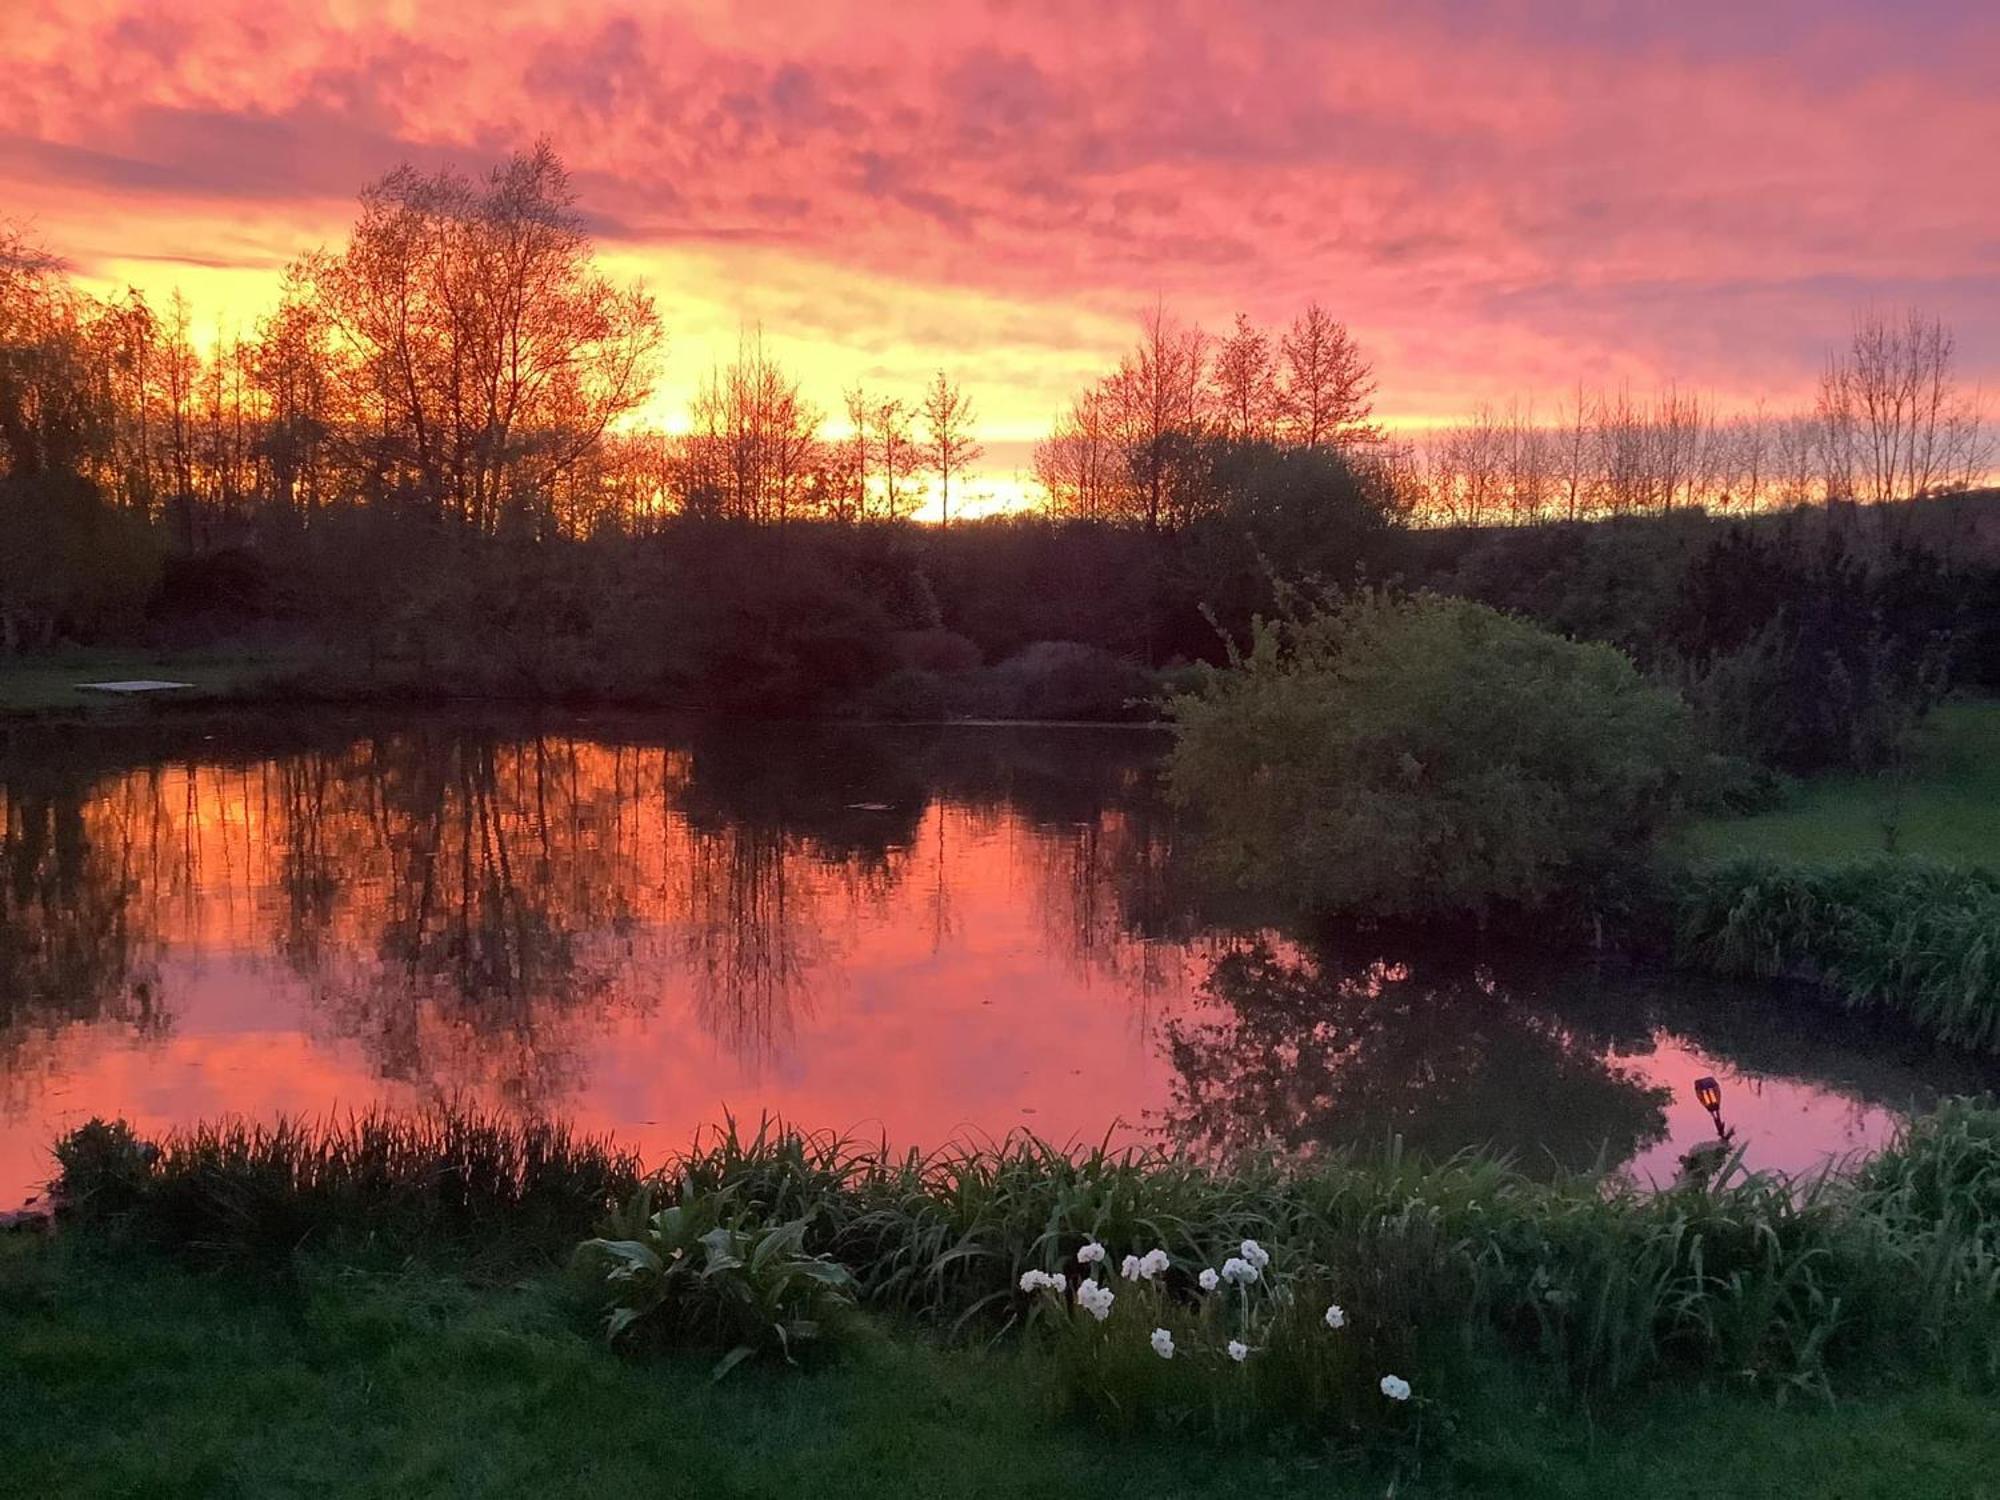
910 933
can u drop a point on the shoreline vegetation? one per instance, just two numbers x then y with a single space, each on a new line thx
1376 1318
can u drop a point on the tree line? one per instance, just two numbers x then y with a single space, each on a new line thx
463 356
1890 420
460 355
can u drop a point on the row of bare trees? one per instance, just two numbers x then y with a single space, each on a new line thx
1127 447
1890 421
462 353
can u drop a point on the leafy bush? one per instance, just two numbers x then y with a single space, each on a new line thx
1907 935
1426 756
706 1270
497 1190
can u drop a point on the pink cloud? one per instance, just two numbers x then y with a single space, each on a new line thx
1498 198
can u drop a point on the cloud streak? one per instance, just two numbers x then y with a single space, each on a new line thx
1497 197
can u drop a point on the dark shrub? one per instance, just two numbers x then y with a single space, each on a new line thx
1428 757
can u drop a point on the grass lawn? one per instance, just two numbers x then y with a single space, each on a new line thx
45 682
127 1376
1947 808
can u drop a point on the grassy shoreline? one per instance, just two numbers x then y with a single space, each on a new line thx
131 1376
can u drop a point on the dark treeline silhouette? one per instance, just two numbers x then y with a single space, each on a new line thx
424 473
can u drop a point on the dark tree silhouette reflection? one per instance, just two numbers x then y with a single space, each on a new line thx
1300 1052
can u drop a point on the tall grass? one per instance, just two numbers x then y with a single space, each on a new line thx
1605 1284
1757 1277
1918 939
494 1189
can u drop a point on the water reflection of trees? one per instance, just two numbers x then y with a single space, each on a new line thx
1301 1051
474 907
70 949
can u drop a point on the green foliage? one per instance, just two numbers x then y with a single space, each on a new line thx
494 1191
709 1272
1942 1170
70 564
1603 1287
1427 756
1910 936
124 1374
1598 1287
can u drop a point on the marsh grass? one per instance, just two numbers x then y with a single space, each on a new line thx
497 1192
1918 939
1777 1283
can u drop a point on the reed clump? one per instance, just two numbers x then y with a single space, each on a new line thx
498 1189
1915 938
1890 1263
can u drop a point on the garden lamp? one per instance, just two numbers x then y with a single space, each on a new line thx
1709 1093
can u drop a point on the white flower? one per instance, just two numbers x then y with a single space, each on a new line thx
1395 1388
1095 1298
1336 1316
1058 1283
1144 1267
1256 1254
1163 1343
1238 1350
1208 1279
1090 1254
1238 1270
1034 1281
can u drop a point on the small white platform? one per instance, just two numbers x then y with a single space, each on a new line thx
134 685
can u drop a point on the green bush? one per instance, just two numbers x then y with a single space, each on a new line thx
1909 936
708 1271
1427 756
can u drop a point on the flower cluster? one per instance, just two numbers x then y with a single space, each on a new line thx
1244 1269
1145 1267
1095 1298
1240 1271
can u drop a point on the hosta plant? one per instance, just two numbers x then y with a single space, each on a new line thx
706 1272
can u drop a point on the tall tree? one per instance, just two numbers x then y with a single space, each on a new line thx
1329 386
1245 381
491 356
948 440
1158 391
897 453
1893 411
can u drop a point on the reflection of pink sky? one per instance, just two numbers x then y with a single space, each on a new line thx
974 979
988 1032
1784 1125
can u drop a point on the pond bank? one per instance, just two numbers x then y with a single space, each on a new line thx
143 1378
1559 1341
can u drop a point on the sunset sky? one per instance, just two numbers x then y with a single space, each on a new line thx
1499 199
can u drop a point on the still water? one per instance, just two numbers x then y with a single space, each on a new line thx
914 933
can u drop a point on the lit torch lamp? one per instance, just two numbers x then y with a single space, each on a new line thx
1709 1093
